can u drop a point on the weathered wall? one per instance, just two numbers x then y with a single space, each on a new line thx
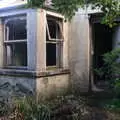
16 86
44 85
79 52
52 86
65 46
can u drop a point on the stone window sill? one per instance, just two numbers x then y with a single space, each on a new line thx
33 74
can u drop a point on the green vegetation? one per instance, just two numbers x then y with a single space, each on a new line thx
110 70
25 109
110 8
113 105
29 109
68 107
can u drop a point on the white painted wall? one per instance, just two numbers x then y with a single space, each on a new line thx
79 44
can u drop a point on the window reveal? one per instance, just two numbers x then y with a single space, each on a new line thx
15 41
54 41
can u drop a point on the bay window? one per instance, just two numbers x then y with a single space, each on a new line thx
15 41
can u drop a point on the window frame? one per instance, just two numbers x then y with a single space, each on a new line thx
8 42
59 42
61 31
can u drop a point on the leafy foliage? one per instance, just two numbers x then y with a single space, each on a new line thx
113 104
110 8
111 69
67 7
35 3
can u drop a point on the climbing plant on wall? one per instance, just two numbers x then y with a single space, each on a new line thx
110 8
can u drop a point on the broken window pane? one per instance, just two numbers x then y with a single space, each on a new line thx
15 41
15 55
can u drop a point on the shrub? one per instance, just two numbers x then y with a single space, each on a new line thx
113 104
110 70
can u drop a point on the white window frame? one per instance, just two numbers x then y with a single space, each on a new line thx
7 41
58 42
61 31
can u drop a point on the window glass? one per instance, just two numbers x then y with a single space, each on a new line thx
54 28
15 55
51 54
16 29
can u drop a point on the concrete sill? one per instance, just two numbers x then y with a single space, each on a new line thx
33 74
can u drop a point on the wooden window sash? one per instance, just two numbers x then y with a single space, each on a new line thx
61 31
16 41
15 18
6 29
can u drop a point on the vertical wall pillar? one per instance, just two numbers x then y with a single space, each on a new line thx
79 44
65 45
31 39
41 41
1 43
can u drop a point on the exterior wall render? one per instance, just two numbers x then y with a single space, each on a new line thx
52 86
43 86
79 46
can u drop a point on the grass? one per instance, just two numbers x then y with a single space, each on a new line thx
69 107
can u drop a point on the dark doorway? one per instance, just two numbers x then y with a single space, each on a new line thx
102 43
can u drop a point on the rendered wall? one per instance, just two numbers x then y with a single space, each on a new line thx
43 87
11 87
79 44
52 86
80 51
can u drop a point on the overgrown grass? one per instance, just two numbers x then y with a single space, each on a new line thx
68 107
60 108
